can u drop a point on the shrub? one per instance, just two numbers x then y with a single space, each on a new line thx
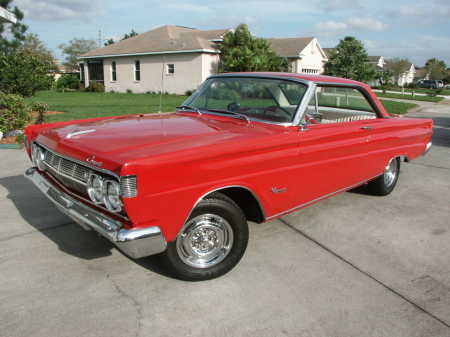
412 86
189 92
41 108
71 81
95 87
434 93
23 74
225 94
129 91
14 113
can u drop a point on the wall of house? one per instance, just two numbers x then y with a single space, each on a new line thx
154 71
311 61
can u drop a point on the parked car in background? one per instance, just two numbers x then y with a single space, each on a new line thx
244 147
428 84
447 86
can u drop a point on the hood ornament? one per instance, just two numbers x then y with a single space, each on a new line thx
91 160
78 132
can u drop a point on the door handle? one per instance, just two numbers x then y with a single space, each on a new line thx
368 127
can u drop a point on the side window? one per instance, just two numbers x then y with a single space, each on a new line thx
342 104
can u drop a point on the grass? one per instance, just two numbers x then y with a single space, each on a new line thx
397 108
81 105
410 97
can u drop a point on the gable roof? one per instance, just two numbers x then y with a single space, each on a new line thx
290 47
166 39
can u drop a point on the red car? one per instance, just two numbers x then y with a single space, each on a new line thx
244 147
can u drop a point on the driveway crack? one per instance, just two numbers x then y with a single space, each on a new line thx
362 271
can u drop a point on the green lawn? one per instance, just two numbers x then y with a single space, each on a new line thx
410 97
81 105
397 108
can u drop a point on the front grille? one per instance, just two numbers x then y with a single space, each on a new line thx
71 174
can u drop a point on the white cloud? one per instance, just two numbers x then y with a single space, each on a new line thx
231 21
359 23
353 24
60 10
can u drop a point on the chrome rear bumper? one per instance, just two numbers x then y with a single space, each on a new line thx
135 243
427 148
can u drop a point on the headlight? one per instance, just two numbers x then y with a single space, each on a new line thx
38 156
95 188
111 195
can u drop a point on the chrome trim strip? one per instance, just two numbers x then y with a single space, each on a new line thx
135 243
313 201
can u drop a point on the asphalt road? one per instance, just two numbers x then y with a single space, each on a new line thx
352 265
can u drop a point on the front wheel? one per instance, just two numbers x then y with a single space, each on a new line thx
385 183
212 241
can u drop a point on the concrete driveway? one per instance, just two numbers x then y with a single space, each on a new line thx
352 265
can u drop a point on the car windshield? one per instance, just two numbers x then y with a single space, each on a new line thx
270 100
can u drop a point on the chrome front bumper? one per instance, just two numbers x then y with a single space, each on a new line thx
135 243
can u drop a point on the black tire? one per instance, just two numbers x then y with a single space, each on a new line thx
384 184
212 241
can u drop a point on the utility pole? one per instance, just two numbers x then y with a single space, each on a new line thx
99 39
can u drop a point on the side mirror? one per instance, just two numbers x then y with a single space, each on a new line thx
233 106
314 116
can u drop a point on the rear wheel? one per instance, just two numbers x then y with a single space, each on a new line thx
212 241
385 183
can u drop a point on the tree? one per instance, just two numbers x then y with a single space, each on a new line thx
24 74
436 69
33 46
385 77
127 36
241 51
75 48
108 42
17 30
399 66
350 60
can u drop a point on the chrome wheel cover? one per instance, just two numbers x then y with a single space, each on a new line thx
206 240
390 173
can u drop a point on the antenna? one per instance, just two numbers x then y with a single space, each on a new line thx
162 82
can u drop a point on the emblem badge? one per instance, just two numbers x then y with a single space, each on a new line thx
93 162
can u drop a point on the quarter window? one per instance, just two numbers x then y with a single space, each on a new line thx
137 70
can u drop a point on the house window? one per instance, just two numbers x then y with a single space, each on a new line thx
82 72
137 70
170 69
113 71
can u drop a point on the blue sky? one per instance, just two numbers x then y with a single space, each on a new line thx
415 29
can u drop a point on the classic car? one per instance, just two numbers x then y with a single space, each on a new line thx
244 147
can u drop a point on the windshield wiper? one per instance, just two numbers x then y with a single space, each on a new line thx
187 107
230 112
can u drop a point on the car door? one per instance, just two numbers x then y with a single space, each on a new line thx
333 149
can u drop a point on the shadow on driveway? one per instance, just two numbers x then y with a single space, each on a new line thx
41 214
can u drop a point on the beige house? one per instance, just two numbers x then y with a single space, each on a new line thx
174 58
179 59
304 54
382 64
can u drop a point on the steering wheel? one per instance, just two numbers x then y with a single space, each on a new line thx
277 108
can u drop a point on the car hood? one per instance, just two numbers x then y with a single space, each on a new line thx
125 138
